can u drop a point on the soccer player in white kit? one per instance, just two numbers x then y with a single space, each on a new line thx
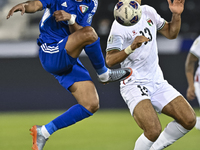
193 80
146 91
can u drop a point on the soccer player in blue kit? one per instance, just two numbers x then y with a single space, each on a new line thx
64 32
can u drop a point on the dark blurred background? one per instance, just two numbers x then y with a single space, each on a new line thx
25 85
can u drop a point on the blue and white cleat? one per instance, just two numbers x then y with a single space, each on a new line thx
38 139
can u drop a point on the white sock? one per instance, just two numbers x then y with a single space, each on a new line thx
197 125
45 132
143 143
105 76
170 134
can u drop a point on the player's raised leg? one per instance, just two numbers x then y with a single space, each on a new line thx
87 39
185 119
88 103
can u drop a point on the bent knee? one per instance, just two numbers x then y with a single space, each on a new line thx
89 34
189 123
153 133
188 120
93 108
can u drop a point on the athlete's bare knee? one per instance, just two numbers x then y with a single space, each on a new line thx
153 133
188 120
189 123
185 115
89 34
93 106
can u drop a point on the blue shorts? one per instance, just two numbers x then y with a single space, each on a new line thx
66 70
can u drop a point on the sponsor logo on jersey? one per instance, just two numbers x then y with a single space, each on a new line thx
83 8
150 22
64 4
110 39
134 32
89 20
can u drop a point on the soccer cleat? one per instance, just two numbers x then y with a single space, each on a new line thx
118 75
38 139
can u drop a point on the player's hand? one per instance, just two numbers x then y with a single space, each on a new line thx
61 15
138 42
177 6
191 93
19 7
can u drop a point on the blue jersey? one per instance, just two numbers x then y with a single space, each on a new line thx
52 31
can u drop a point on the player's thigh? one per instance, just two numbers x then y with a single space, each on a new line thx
138 100
79 39
86 94
147 119
146 116
181 111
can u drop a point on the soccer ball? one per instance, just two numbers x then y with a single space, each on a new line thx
127 12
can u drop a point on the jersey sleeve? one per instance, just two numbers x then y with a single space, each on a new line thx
160 22
115 39
86 20
195 48
47 3
114 42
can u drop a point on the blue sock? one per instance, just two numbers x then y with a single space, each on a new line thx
96 57
71 116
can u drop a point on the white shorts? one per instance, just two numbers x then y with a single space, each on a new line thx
160 94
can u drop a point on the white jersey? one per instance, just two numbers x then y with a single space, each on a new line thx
144 60
195 50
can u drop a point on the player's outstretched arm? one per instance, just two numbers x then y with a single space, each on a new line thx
26 7
171 29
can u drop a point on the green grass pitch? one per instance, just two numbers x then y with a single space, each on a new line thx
105 130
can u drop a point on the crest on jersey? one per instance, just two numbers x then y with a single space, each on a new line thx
150 22
83 8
